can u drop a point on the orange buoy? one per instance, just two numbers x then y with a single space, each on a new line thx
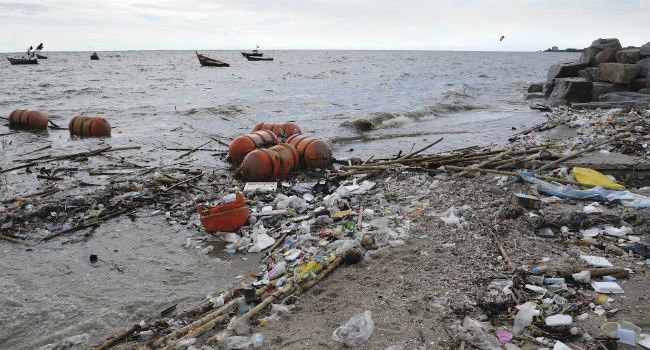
225 218
283 131
269 164
243 145
314 153
89 126
28 118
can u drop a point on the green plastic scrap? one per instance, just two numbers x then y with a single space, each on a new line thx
351 224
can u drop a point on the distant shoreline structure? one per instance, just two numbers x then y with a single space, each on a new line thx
555 49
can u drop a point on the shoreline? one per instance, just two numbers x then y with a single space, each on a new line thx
417 289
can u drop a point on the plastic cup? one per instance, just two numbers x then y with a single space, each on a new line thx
611 329
505 337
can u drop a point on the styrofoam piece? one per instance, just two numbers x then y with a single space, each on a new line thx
590 232
560 346
596 261
559 320
261 187
607 287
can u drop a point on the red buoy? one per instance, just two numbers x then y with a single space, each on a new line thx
269 164
314 153
243 145
28 118
89 126
282 131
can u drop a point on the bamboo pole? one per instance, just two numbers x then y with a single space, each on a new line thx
88 224
198 323
320 276
500 155
8 239
118 338
40 149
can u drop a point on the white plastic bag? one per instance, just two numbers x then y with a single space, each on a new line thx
357 330
236 342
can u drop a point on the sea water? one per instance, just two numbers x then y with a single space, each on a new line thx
363 103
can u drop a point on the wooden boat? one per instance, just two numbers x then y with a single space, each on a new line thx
41 57
22 60
94 57
255 58
207 61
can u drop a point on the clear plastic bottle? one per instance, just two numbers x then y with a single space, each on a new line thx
257 339
539 269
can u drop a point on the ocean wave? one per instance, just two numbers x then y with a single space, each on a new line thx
387 120
229 111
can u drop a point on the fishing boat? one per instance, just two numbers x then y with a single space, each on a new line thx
255 53
94 56
22 60
41 57
255 58
207 61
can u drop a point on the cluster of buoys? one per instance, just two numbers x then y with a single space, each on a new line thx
28 118
79 125
89 126
272 151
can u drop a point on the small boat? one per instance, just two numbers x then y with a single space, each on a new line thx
94 56
207 61
254 58
41 57
253 54
22 60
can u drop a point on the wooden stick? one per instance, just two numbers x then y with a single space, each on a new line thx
420 150
88 224
118 338
183 182
367 160
572 155
40 149
276 244
500 155
595 272
8 239
193 150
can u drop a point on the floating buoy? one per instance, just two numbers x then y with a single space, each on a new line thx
28 118
89 126
314 153
283 131
269 164
225 218
243 145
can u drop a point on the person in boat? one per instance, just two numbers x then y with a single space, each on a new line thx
29 52
94 54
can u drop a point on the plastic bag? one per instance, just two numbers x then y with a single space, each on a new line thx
357 330
236 342
476 333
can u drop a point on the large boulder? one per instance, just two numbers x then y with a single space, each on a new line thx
637 84
605 43
644 64
589 55
628 56
618 73
571 90
536 87
565 70
607 55
601 88
645 50
589 73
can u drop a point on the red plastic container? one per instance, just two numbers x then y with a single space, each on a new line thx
243 145
225 218
283 131
314 153
89 126
27 118
269 164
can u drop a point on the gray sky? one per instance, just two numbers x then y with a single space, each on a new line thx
528 25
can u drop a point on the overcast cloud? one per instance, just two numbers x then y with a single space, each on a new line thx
528 25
